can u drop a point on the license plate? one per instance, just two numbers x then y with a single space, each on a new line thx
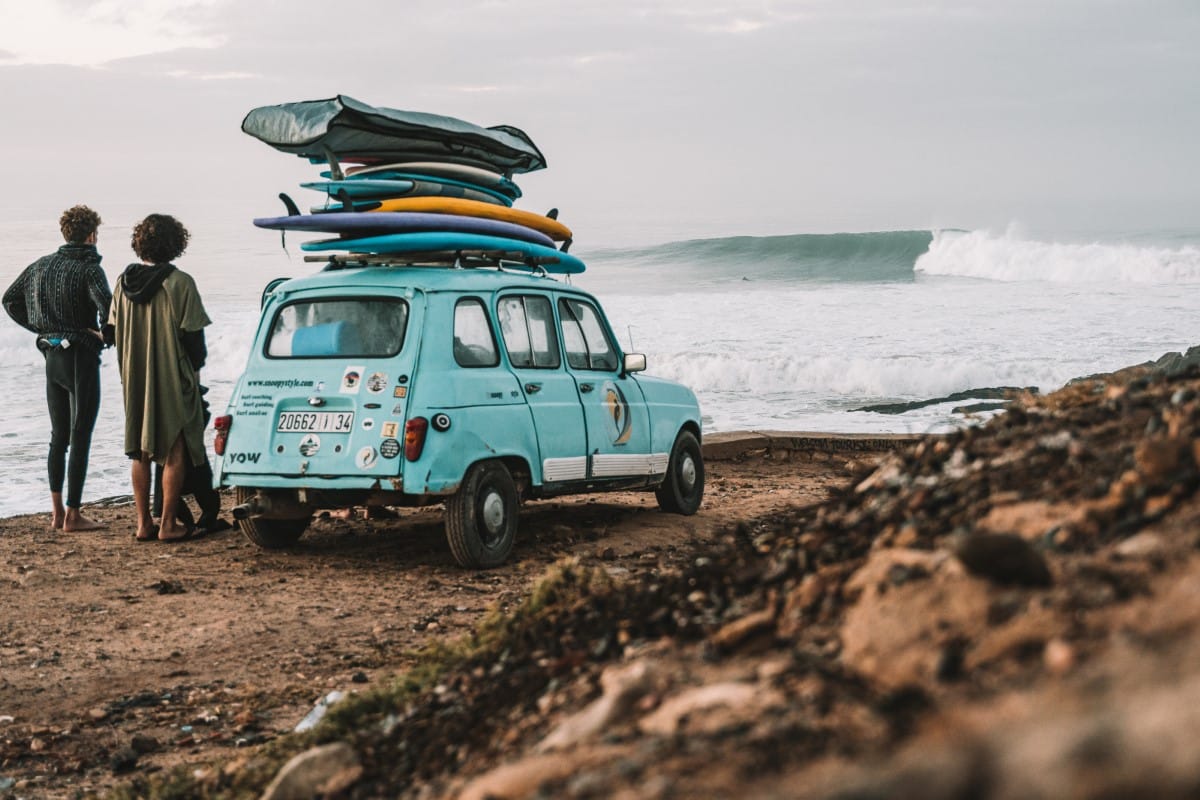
315 422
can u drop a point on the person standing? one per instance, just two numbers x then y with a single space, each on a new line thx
157 324
63 298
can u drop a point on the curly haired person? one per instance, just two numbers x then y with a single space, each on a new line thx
63 298
157 324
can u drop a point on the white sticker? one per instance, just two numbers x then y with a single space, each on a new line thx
310 444
366 458
351 380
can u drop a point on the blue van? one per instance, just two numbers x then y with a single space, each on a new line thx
475 387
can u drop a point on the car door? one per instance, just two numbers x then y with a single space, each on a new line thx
530 337
614 410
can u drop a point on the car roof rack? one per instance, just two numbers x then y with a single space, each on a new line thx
458 259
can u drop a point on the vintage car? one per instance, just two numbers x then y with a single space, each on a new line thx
476 387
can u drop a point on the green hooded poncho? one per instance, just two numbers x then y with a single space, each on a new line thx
151 307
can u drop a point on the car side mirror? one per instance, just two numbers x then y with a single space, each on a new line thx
635 362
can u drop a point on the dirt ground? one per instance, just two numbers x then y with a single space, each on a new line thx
120 658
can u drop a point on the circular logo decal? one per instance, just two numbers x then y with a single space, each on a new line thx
377 382
366 458
310 444
440 422
616 413
368 423
389 448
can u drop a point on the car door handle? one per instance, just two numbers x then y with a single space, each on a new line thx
586 387
532 388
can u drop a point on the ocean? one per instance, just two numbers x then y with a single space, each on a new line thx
791 332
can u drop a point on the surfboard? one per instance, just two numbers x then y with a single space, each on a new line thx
397 185
468 208
357 224
441 242
459 172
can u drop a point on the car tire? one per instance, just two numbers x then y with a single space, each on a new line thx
683 489
269 534
481 517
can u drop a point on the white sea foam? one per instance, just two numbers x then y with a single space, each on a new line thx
1008 257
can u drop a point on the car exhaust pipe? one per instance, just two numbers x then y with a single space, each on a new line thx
251 508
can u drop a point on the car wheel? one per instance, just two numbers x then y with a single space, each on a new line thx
269 534
683 488
481 517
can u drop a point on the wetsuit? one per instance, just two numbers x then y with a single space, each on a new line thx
62 297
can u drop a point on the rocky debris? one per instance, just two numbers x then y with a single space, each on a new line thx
970 585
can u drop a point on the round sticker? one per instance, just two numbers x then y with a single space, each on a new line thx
366 458
377 382
368 423
440 422
389 448
310 444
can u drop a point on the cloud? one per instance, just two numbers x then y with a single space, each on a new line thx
92 34
187 74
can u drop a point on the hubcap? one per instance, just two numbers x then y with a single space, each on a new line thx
687 473
493 512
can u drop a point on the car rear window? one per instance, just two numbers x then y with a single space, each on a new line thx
339 327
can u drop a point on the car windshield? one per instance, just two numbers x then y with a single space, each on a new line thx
339 327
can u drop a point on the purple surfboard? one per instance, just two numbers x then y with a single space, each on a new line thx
379 223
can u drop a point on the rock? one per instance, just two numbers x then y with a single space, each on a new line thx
1159 458
1059 657
740 632
1030 520
1003 558
306 775
123 760
896 635
747 701
1144 546
97 714
623 686
525 777
142 744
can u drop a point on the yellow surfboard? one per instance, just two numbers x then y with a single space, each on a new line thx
474 208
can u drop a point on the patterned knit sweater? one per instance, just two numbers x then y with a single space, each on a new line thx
62 295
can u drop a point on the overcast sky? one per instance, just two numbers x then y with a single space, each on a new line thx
659 120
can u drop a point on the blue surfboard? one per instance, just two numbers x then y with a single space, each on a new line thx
378 223
382 188
449 243
503 187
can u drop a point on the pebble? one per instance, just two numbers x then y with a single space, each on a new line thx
1003 558
1058 656
307 774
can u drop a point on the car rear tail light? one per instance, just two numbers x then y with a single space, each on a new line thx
414 437
221 425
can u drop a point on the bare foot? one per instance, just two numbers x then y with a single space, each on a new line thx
173 533
75 521
56 520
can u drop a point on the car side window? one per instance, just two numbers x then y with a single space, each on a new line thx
584 338
527 325
474 344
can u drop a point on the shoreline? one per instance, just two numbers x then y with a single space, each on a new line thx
723 446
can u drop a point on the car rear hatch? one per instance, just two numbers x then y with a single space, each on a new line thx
324 394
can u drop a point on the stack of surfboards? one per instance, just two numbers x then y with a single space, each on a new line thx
408 187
